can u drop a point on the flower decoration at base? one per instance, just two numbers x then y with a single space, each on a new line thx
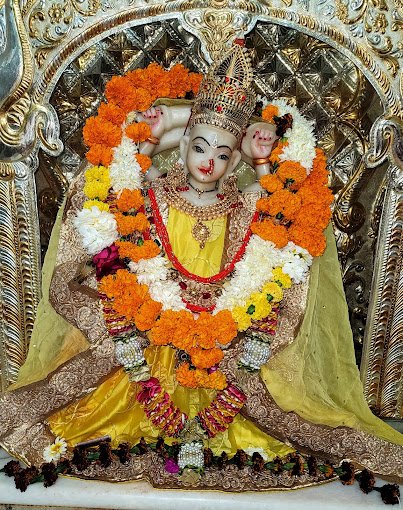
55 451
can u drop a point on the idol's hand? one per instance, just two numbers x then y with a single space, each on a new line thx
262 142
258 141
154 117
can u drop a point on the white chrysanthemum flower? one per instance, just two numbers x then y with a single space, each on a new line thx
98 229
154 273
125 171
297 272
150 270
251 451
54 451
168 294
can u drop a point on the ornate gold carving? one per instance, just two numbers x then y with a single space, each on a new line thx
50 24
216 28
382 365
19 274
16 107
373 18
7 171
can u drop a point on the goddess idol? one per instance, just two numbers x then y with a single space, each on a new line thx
190 333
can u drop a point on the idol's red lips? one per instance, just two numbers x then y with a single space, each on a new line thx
206 171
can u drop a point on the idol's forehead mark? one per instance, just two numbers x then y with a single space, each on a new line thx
212 145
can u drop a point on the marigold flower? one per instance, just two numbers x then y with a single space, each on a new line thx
102 206
185 336
147 250
243 319
97 173
127 294
173 327
129 199
96 189
185 376
144 161
116 283
178 77
215 380
315 194
139 78
147 314
268 231
311 239
276 152
143 100
273 290
269 112
206 358
112 113
292 173
283 202
194 81
271 183
282 278
261 306
121 92
99 155
225 327
138 132
314 215
129 224
101 131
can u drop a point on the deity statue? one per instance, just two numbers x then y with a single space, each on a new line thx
191 333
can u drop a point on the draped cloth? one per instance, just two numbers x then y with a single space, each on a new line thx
315 376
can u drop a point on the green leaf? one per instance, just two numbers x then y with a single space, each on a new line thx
251 309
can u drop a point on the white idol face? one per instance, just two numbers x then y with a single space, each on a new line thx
209 153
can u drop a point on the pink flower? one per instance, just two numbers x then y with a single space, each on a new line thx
171 466
107 261
150 389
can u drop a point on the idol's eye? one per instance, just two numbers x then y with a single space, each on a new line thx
199 149
223 157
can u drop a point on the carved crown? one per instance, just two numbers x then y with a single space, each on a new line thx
226 98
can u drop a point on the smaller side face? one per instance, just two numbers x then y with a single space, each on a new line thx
209 153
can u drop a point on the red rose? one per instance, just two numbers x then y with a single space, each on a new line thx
107 261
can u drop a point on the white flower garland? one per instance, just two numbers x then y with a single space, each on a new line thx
301 138
125 171
254 270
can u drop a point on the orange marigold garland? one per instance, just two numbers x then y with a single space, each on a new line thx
298 207
135 252
100 131
129 200
135 91
99 155
270 231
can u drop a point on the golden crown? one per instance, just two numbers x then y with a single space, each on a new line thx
226 98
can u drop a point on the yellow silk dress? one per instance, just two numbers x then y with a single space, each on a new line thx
112 408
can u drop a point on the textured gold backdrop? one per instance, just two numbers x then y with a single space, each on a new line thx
322 82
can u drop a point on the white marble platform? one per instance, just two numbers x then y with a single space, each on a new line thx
141 496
